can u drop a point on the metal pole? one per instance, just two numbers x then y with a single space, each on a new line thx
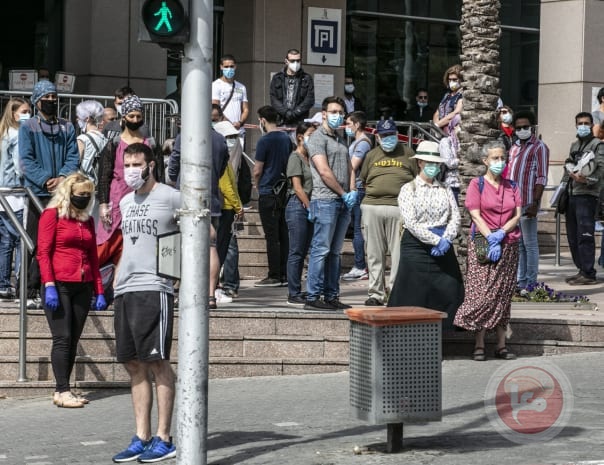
196 164
558 227
25 253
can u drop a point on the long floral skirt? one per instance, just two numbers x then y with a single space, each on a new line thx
489 290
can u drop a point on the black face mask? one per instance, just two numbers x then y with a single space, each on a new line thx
79 201
49 107
134 125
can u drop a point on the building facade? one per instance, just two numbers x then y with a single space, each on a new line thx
390 47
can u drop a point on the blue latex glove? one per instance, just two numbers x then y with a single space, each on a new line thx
100 303
438 230
350 198
51 298
441 248
494 253
496 237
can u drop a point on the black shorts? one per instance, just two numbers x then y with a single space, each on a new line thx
143 326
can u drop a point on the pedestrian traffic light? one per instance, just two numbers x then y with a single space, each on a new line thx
165 22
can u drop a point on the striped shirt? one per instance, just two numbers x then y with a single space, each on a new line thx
528 166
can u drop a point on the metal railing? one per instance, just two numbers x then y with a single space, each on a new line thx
27 247
160 115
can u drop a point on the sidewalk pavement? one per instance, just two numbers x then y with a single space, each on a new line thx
355 292
306 420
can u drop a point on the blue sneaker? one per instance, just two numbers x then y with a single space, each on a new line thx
158 450
133 451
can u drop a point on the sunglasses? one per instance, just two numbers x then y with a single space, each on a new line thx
523 127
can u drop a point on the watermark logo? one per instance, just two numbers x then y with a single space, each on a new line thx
529 403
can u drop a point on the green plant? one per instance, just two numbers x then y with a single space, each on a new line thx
541 292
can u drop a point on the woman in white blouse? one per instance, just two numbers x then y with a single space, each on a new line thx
428 274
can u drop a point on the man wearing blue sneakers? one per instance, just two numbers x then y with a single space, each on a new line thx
144 305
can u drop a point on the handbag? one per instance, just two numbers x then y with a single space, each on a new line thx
563 199
481 247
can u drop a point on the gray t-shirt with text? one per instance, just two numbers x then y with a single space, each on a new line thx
144 217
332 146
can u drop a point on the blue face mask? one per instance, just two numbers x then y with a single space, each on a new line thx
228 73
349 132
583 131
497 167
334 121
389 143
431 170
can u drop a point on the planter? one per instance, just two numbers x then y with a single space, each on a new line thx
574 307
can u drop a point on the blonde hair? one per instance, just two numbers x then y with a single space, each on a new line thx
455 69
8 119
61 200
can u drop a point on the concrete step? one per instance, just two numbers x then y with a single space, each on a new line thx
278 341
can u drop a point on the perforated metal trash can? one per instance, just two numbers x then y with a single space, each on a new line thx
395 364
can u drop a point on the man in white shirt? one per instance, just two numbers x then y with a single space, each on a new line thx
231 95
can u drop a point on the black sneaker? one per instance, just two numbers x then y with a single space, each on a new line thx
318 305
296 300
336 304
583 281
268 282
373 302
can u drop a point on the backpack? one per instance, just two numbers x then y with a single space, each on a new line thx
244 182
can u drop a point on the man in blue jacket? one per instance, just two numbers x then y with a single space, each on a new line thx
48 152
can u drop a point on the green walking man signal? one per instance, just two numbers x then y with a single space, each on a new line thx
165 12
165 22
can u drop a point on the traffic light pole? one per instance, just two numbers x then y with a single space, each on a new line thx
195 172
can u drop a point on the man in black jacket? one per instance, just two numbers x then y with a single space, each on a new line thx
421 111
292 91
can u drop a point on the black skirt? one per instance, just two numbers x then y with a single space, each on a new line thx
426 281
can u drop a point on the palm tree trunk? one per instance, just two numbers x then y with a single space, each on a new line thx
480 32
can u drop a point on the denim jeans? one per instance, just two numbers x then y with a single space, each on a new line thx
300 234
275 232
10 241
224 233
331 218
528 261
580 232
230 269
358 242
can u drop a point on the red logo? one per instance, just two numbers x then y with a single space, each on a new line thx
528 403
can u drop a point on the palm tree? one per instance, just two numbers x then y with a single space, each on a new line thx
480 31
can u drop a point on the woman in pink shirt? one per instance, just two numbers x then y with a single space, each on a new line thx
495 205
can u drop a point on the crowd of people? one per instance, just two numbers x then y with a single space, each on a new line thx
315 177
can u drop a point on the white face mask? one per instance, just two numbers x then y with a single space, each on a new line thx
231 142
349 88
523 134
507 118
134 177
118 107
294 67
24 116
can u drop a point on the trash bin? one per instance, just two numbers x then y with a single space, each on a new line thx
395 364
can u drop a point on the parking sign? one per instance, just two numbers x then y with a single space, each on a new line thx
324 36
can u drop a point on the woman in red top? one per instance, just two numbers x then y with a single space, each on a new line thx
69 269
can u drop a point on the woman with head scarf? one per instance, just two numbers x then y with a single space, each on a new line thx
112 186
70 276
91 140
